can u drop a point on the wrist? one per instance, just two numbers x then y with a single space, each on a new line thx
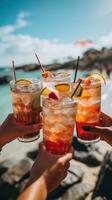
39 187
43 185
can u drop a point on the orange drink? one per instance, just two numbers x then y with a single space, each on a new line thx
88 110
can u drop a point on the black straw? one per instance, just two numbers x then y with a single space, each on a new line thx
77 65
76 88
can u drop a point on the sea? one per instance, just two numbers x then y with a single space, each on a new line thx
5 96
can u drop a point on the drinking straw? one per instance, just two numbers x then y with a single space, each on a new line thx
14 70
40 63
77 65
76 88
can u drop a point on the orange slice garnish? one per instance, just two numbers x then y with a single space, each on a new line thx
98 76
64 87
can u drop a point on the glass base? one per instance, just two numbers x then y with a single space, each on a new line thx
88 141
29 139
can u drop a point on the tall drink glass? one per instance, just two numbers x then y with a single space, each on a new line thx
26 105
58 124
88 111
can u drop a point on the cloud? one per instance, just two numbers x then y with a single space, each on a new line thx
21 47
23 14
105 8
106 40
21 22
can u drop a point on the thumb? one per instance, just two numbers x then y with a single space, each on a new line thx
66 158
42 147
102 131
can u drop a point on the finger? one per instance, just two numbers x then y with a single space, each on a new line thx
31 128
97 129
65 173
67 165
41 117
105 120
66 158
10 116
72 151
42 147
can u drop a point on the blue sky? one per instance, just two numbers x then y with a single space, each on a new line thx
51 28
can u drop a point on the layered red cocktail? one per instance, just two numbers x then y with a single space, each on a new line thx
58 124
88 109
26 104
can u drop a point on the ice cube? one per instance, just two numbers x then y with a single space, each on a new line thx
58 127
27 98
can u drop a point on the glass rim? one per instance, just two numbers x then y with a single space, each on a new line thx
63 106
34 81
97 83
55 78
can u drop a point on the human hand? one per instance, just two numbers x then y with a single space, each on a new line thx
104 130
51 168
9 130
55 174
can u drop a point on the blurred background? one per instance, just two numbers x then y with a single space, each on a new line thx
59 32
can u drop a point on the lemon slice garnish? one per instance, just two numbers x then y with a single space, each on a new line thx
50 93
46 91
23 82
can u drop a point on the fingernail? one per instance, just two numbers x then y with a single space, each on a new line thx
86 128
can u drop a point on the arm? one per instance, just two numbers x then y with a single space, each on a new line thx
10 131
46 174
36 190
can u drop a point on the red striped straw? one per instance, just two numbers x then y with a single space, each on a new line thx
14 70
41 66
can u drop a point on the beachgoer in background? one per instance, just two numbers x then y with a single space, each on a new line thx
108 72
101 69
46 174
9 130
104 130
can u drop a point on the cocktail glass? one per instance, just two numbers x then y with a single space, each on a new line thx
88 111
58 124
58 77
26 105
